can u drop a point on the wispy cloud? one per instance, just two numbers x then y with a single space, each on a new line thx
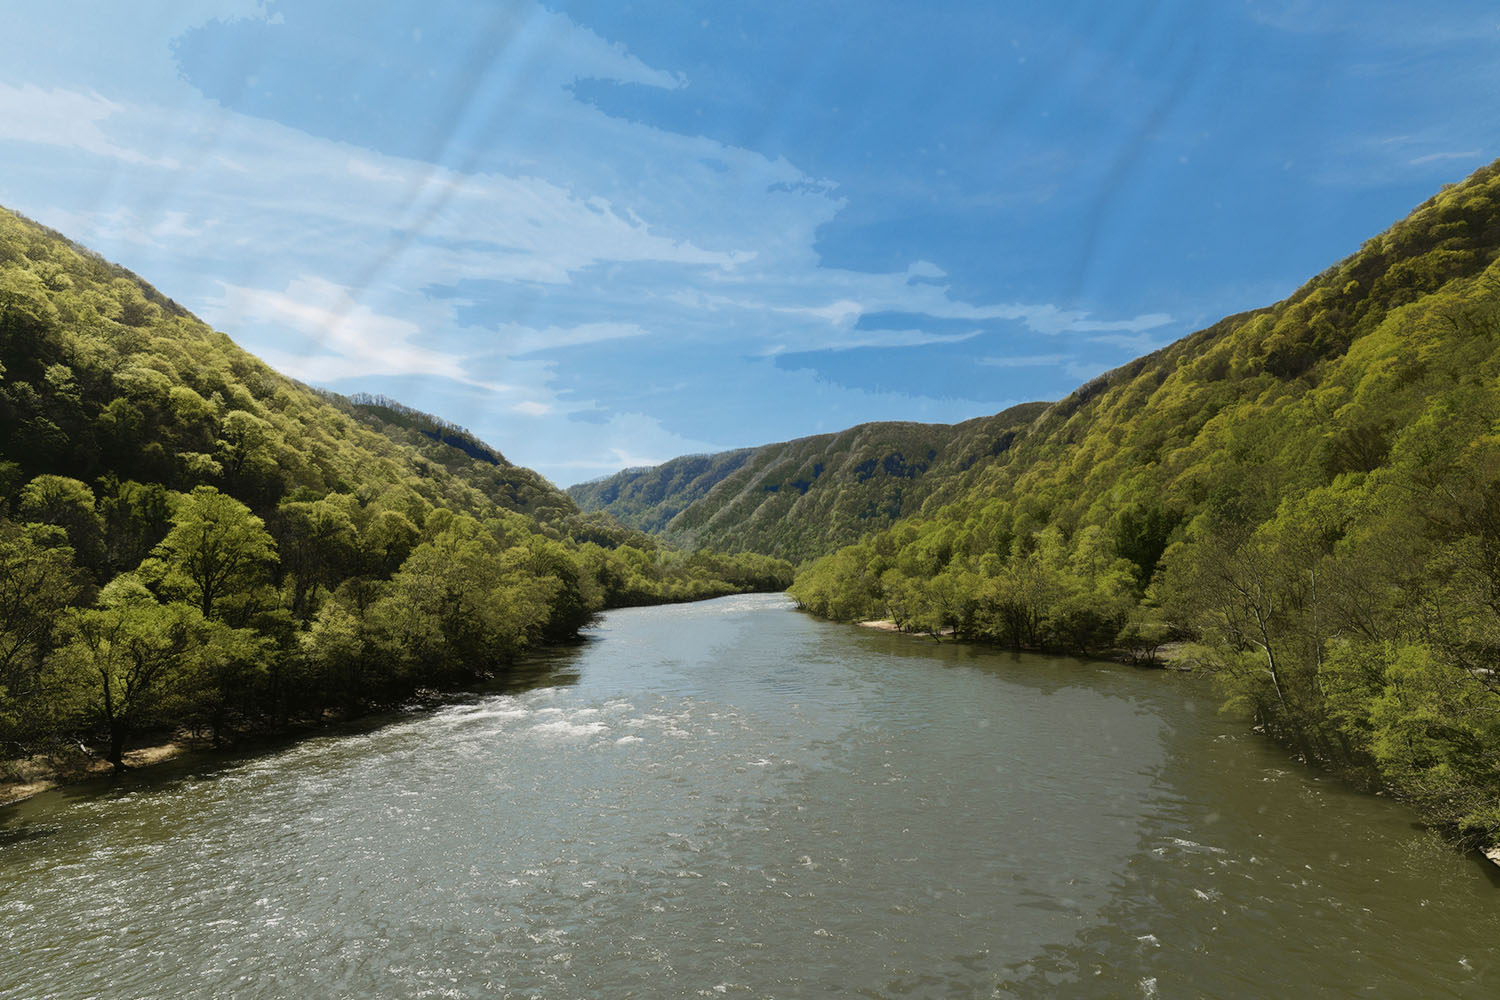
1026 360
70 120
342 337
1471 154
1140 343
515 340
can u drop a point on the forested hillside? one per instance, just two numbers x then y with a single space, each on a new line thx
1307 495
188 538
804 498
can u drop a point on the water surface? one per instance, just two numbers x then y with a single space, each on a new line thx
733 799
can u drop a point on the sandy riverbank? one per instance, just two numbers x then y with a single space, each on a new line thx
41 773
886 625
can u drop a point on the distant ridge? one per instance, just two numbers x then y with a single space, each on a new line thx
803 498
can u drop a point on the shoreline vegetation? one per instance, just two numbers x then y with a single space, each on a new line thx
1304 500
74 762
70 762
1174 656
192 542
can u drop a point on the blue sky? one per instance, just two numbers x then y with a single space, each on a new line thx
605 234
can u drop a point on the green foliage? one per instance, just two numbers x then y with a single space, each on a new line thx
216 554
68 504
124 661
38 581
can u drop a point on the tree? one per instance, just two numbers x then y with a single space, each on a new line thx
136 517
215 550
462 600
130 662
37 582
317 542
69 504
385 541
246 450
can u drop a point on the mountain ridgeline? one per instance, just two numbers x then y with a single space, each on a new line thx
805 498
1302 500
189 540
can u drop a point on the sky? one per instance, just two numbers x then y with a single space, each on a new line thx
601 235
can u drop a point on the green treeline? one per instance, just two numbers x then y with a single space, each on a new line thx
1306 497
188 539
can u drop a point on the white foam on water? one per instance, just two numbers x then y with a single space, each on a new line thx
562 729
1193 845
503 714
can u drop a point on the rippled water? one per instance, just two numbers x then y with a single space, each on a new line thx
730 798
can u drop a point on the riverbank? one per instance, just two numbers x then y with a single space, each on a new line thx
1165 655
23 778
1170 656
44 772
33 775
887 625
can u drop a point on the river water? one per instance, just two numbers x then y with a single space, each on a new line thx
733 799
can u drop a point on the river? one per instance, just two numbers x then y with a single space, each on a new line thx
733 799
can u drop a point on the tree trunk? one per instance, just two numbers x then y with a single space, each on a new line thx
117 733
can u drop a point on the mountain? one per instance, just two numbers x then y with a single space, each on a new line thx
804 498
1306 497
188 538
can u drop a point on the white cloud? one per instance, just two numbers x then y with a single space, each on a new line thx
119 225
872 338
367 171
68 120
343 338
841 314
631 440
1052 320
175 225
